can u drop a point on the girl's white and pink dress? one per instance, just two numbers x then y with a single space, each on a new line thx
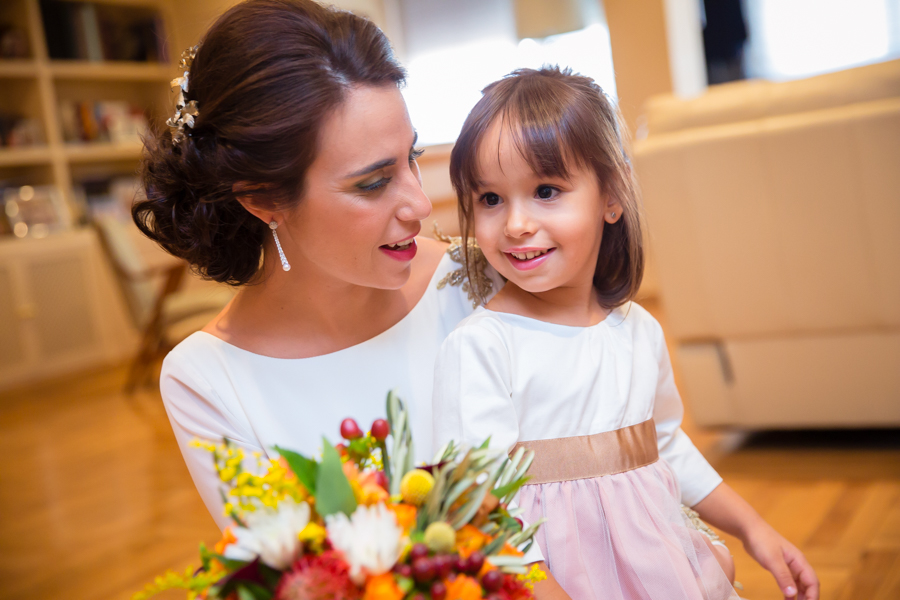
599 407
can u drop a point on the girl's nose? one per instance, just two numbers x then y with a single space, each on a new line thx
518 223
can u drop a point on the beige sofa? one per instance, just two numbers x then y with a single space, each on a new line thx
774 218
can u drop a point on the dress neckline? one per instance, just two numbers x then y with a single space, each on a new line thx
548 325
432 285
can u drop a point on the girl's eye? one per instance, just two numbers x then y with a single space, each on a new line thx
376 185
490 199
416 153
546 192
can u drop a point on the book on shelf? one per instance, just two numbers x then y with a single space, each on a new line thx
102 121
17 131
97 32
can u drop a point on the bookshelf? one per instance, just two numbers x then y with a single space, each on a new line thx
60 309
35 87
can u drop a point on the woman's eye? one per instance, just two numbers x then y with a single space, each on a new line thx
490 199
371 187
416 153
546 192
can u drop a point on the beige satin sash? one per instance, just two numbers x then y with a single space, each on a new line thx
586 456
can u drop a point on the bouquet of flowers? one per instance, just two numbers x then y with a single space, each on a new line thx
364 523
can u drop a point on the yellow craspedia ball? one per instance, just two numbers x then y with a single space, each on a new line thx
415 485
440 537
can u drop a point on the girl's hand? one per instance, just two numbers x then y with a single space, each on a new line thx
784 561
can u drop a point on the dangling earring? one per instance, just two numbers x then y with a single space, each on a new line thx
284 263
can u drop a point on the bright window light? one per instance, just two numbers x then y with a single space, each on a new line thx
800 38
444 85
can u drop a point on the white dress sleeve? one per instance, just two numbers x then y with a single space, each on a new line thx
695 475
472 396
472 391
195 411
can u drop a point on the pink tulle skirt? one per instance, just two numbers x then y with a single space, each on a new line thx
623 537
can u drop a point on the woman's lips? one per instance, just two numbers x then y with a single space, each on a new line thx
524 263
404 251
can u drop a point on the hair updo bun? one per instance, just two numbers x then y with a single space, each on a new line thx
265 77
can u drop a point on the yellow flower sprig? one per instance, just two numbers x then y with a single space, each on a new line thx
249 491
534 575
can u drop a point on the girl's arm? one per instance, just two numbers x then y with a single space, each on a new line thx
724 508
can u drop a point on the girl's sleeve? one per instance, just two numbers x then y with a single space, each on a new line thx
195 412
696 477
472 400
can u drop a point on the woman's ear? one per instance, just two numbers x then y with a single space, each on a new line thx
254 198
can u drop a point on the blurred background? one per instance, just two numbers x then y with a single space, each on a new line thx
766 140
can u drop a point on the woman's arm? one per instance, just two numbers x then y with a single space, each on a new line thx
195 413
724 508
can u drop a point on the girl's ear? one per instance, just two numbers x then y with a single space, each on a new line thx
613 210
253 197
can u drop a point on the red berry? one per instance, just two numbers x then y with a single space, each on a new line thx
381 479
492 581
443 564
350 430
438 591
403 570
418 551
521 523
474 563
341 448
380 429
423 570
459 563
419 596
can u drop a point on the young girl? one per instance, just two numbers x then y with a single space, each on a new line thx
561 362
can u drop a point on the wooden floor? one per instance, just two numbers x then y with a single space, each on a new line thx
95 499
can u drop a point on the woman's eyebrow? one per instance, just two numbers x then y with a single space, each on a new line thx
388 162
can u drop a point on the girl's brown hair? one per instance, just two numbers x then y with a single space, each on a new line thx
265 78
559 120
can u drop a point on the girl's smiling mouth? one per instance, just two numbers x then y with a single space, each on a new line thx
527 258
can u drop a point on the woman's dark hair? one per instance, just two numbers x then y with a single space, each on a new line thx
266 76
559 120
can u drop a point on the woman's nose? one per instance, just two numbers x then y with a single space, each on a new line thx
415 204
518 223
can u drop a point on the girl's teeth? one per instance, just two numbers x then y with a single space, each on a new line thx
528 255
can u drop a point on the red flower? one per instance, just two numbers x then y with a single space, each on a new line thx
323 577
513 589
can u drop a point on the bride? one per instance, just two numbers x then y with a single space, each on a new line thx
289 170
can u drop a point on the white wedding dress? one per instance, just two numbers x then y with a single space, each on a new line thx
212 389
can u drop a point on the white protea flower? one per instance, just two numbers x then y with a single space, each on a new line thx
370 540
271 534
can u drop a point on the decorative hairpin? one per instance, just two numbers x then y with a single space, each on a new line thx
184 113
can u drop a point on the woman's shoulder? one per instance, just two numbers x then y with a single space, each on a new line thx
196 362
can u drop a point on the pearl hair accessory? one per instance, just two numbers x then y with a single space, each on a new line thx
284 262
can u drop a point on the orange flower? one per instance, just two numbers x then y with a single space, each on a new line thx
508 550
469 539
227 539
405 514
463 588
382 587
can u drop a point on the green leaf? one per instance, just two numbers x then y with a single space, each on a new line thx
404 583
304 468
333 491
510 488
247 590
